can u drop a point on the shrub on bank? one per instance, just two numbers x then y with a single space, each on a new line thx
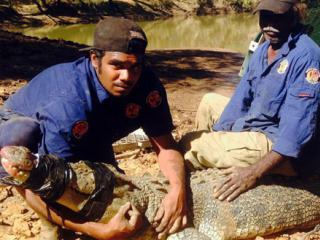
241 5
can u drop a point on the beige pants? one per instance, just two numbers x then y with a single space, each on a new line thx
206 149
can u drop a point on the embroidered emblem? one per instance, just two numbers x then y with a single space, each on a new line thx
313 75
132 110
154 99
283 66
79 129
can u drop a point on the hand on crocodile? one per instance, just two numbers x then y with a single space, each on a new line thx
126 222
237 181
171 215
17 162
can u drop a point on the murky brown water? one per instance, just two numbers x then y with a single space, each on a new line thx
232 31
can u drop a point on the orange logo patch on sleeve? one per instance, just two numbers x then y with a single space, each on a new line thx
154 99
132 110
79 129
313 75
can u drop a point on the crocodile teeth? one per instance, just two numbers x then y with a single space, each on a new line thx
21 173
14 168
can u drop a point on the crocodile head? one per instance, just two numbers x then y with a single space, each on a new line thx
18 162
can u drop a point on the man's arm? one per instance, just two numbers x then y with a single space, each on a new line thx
297 127
119 227
171 215
240 179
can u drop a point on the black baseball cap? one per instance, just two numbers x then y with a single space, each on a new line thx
115 34
275 6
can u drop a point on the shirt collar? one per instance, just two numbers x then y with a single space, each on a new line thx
286 47
290 43
100 90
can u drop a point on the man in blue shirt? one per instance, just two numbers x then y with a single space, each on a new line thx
77 110
271 123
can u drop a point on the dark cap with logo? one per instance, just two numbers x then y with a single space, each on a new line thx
275 6
114 34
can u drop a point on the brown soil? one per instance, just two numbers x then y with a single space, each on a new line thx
186 74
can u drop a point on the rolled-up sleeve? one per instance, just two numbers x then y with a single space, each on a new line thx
157 120
300 111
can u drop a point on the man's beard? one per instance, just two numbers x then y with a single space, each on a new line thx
275 37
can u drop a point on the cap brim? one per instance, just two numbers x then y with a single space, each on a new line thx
86 49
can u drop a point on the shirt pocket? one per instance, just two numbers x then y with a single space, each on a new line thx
303 103
270 95
303 92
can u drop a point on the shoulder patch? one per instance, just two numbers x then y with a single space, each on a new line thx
154 99
284 64
313 75
79 129
132 110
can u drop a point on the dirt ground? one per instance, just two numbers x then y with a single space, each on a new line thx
186 74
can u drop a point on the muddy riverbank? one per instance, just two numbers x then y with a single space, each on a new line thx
61 12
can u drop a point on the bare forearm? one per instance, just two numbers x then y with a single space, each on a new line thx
36 203
172 166
172 215
268 163
89 228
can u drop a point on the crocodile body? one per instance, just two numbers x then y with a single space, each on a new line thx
276 204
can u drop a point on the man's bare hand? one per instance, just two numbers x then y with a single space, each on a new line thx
125 223
237 181
171 215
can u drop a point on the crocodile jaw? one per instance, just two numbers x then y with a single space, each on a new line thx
17 174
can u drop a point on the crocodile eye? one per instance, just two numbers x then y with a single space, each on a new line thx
28 163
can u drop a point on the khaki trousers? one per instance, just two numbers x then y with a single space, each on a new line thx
207 149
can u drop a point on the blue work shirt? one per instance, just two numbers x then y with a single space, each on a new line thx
280 99
79 119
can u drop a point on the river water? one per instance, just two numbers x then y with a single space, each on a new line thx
232 32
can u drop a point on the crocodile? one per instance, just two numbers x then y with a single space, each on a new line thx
275 205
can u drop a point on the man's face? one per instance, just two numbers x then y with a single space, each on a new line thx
276 27
118 72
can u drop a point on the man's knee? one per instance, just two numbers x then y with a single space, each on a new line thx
214 98
210 110
194 146
210 99
22 131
